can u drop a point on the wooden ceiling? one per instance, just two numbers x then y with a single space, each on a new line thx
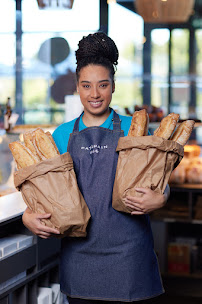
196 18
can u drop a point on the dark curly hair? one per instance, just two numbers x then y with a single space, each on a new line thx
98 49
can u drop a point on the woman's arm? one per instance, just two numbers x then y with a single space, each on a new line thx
148 202
33 222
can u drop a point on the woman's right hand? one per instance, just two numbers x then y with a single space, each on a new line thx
33 222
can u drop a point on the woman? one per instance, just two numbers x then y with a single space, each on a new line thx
116 261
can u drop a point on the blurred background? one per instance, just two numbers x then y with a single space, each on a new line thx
160 61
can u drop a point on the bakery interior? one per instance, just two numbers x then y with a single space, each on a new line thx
160 70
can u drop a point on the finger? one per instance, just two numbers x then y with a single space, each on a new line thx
47 229
44 234
137 213
133 199
133 206
44 215
142 190
43 237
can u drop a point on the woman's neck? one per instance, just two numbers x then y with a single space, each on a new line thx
90 120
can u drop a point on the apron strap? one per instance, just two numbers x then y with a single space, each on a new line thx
116 123
76 125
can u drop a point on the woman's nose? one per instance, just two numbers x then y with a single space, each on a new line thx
95 92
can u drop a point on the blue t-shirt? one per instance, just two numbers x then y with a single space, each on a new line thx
62 133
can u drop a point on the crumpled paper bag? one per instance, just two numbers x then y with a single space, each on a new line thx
145 161
51 187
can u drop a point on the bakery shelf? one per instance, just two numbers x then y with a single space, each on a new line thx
186 187
23 270
18 262
30 278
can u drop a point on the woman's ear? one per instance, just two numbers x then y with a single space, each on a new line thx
113 87
77 88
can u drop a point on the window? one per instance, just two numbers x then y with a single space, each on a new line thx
7 51
180 82
43 78
126 29
160 68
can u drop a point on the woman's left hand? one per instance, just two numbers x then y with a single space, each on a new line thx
148 202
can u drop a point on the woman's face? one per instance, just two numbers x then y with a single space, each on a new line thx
95 88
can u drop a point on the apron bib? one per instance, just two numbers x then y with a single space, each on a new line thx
116 260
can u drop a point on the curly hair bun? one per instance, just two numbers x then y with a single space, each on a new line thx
97 45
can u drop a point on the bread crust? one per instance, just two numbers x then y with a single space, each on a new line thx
22 155
139 124
52 140
43 144
167 126
183 132
37 146
28 140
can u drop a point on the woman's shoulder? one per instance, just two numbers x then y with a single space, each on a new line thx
66 127
61 135
125 119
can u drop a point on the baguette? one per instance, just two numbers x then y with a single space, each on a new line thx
139 124
28 140
183 132
44 146
167 126
52 140
22 155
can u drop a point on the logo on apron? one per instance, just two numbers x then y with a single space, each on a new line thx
94 148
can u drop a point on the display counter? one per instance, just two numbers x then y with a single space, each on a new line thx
27 262
11 207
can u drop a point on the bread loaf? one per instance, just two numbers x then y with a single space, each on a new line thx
43 144
139 124
22 155
183 132
28 140
52 140
167 126
37 146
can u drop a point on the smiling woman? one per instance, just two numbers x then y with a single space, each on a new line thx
116 262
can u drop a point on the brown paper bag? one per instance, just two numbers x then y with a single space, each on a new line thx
145 161
51 187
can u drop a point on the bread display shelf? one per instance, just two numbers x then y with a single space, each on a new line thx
186 186
156 124
18 129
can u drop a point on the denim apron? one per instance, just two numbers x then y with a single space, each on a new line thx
116 260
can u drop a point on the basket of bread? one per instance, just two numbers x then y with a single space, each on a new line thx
148 161
48 183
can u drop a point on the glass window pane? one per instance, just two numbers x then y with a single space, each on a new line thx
129 41
180 87
7 16
199 52
180 52
160 39
180 82
159 94
160 68
199 74
7 71
84 15
48 78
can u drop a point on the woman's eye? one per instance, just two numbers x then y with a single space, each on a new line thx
86 86
104 85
